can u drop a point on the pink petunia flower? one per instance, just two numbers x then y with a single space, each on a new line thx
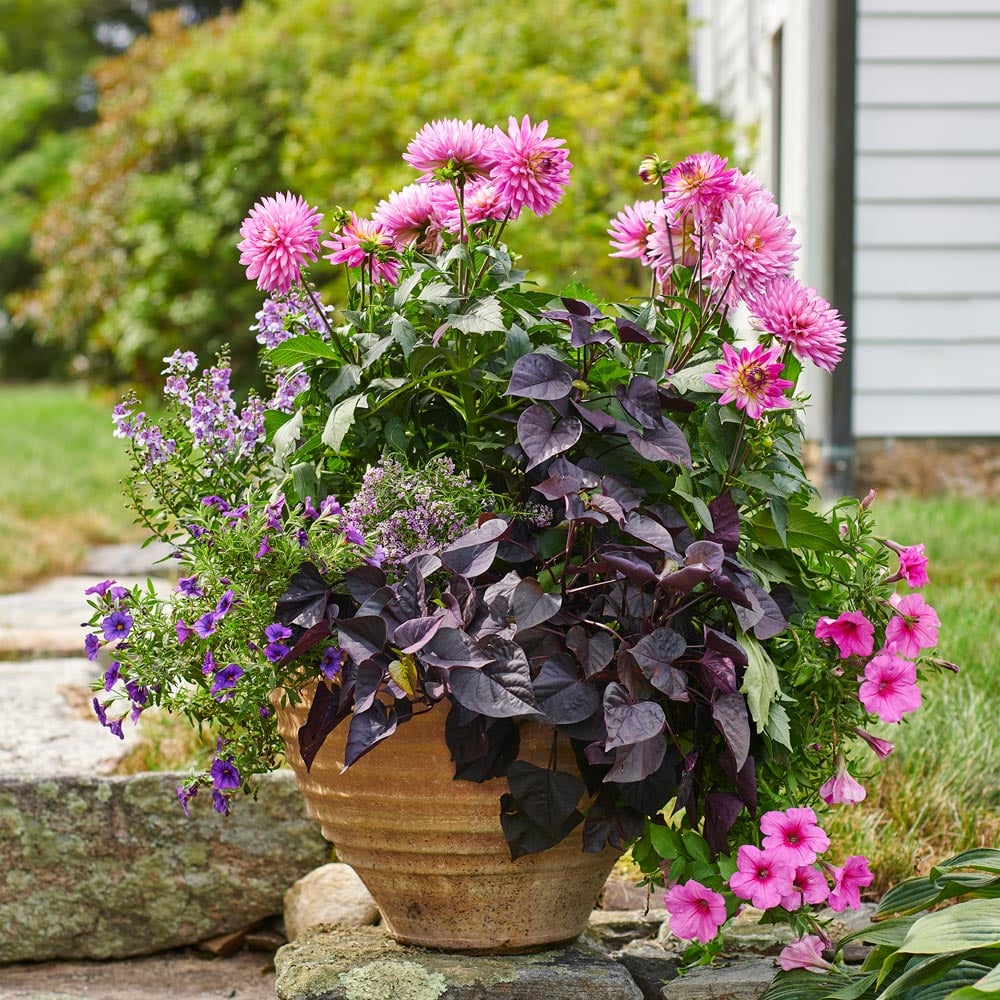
448 142
751 379
529 170
805 953
852 633
279 235
848 882
914 626
913 564
698 185
808 887
410 216
761 878
800 317
881 747
751 246
793 836
368 244
842 789
890 688
630 228
696 912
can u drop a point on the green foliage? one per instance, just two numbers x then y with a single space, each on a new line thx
949 953
197 124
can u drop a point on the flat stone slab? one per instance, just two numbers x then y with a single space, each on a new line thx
745 979
111 867
116 561
46 620
364 963
176 975
47 727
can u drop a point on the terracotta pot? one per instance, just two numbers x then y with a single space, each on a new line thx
431 850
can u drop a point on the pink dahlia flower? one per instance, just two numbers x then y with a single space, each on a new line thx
696 912
751 246
842 789
808 887
793 836
448 142
890 687
802 318
630 228
761 877
368 244
751 380
852 632
410 216
848 883
698 185
805 953
914 626
529 170
482 202
672 242
279 235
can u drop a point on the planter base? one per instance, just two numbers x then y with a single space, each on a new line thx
431 850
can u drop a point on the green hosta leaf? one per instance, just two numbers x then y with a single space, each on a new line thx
760 681
920 972
990 983
803 985
981 858
890 933
910 896
340 420
975 924
950 982
861 987
298 350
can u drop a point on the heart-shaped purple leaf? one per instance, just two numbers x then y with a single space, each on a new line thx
542 436
663 443
416 633
368 729
548 797
630 721
729 711
539 376
637 761
361 638
473 553
325 713
500 689
561 695
655 654
305 598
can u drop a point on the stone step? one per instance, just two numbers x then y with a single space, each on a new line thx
47 725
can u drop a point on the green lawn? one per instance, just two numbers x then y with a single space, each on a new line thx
59 489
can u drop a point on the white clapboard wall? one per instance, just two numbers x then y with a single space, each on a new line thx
927 260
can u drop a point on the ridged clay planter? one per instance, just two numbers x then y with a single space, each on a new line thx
431 850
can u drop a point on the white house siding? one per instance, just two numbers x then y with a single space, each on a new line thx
732 50
927 220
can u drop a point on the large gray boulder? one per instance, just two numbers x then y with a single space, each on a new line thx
110 867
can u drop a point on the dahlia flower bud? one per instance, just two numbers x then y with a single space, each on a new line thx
652 169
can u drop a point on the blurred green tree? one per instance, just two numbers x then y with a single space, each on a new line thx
322 97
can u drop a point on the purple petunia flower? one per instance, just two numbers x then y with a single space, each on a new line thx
183 631
102 717
262 549
353 536
92 645
111 675
224 774
275 651
205 625
117 625
225 680
99 588
216 502
186 795
208 664
220 803
188 585
308 510
378 557
331 662
225 603
329 507
196 530
276 632
115 728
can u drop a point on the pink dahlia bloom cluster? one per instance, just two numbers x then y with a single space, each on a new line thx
786 871
366 244
496 172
